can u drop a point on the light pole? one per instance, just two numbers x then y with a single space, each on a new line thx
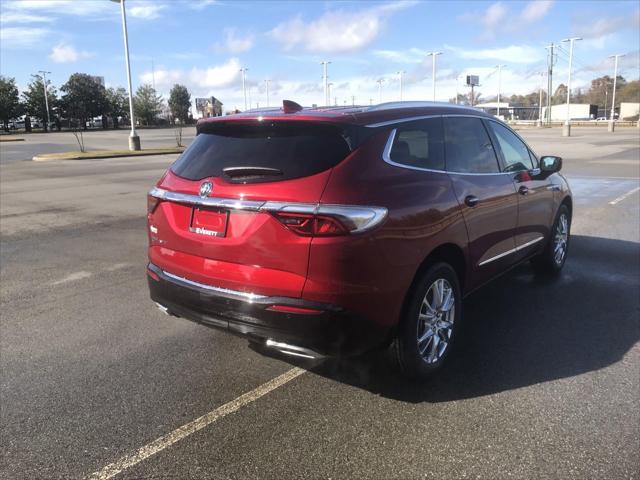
327 98
613 94
499 67
134 139
400 74
379 81
433 80
329 92
566 129
244 85
266 82
539 123
46 98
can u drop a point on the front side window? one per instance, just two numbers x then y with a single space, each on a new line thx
514 151
468 146
419 144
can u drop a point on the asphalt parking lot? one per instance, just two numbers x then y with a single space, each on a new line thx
96 382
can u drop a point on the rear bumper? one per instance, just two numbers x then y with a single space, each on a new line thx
330 330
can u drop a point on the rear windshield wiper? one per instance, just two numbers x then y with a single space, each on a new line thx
248 171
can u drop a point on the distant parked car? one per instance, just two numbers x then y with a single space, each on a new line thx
336 231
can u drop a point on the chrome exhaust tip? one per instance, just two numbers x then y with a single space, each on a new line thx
293 350
162 308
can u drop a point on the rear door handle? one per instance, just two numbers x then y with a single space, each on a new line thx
471 200
523 190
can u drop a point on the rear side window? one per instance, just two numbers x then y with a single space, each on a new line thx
262 153
419 144
514 151
468 147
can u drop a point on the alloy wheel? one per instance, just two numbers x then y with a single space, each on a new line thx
560 239
435 320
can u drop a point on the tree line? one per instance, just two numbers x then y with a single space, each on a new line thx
82 98
599 93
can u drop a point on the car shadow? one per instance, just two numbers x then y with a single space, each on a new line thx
524 329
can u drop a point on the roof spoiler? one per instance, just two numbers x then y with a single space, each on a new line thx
289 106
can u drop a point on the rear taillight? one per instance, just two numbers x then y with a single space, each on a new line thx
311 225
152 203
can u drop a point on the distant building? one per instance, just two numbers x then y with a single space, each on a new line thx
97 79
577 111
209 107
629 110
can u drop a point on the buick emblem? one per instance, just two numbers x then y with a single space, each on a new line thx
205 189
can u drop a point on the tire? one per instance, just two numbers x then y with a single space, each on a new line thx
416 352
554 255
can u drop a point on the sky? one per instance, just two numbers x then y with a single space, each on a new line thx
203 44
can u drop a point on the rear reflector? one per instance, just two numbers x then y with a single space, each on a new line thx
153 275
297 310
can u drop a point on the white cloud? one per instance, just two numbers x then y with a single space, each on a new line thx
22 37
217 76
64 53
146 11
335 31
494 16
410 55
513 54
19 17
233 43
60 7
201 4
535 10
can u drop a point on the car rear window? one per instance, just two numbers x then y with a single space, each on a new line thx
267 152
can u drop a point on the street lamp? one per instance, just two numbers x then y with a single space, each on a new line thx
380 80
327 98
434 55
46 98
499 67
613 94
244 86
134 139
400 74
566 129
266 82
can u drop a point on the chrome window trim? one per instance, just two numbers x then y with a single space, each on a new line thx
513 250
386 154
358 218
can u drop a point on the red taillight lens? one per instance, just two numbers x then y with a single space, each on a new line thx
152 203
291 309
311 225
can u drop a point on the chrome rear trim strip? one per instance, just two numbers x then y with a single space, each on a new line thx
250 297
513 250
357 218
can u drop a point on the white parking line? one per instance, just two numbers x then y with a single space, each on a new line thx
73 277
623 196
178 434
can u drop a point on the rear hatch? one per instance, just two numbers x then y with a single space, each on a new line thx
236 208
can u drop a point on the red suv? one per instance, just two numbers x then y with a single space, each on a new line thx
337 230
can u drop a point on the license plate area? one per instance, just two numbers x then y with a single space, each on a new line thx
211 222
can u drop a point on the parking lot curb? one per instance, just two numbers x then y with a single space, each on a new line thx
11 139
105 154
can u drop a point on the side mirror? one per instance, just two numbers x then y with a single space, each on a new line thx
550 164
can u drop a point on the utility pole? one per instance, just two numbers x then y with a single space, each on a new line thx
612 119
400 74
379 81
550 63
243 70
325 82
566 129
433 80
329 93
499 67
46 98
266 82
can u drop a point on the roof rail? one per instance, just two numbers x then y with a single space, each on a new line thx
415 104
